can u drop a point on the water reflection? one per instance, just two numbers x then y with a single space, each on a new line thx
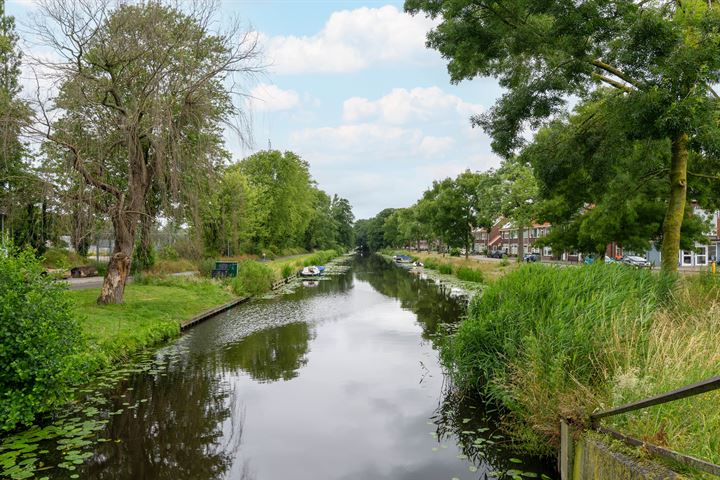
332 381
272 354
434 305
173 436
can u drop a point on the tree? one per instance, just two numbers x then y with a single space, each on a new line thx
662 58
321 232
16 181
285 198
227 217
452 207
342 214
517 191
596 186
141 102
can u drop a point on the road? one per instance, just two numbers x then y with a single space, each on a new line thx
96 282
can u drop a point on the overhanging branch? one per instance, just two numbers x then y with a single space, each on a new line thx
611 82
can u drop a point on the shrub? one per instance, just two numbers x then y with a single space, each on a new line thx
173 266
168 252
542 339
253 278
206 266
470 274
61 258
454 252
431 263
142 260
445 268
39 340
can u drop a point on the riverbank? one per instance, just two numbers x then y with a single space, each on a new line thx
546 343
156 305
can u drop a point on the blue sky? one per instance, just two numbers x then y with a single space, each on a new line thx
352 89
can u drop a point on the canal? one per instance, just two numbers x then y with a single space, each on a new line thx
336 380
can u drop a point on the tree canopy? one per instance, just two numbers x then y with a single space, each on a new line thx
662 58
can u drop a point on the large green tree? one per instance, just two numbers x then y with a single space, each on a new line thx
517 191
286 198
662 58
596 185
143 96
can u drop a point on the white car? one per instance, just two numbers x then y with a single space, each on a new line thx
636 261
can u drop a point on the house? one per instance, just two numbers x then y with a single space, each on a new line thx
488 241
509 241
704 252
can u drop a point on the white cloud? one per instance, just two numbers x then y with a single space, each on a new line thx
348 141
431 146
401 106
352 40
270 98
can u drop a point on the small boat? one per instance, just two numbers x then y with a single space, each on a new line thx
312 271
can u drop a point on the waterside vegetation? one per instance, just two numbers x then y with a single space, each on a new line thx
546 343
77 337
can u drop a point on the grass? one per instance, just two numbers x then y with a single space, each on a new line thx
166 266
546 342
150 314
155 304
682 348
472 270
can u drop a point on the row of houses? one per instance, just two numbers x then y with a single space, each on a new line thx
503 237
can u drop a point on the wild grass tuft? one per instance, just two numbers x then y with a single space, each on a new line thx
470 274
445 269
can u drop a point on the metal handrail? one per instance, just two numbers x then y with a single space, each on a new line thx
680 393
685 392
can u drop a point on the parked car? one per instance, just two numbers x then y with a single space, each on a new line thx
636 261
531 257
496 254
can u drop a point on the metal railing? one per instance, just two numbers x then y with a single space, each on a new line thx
685 392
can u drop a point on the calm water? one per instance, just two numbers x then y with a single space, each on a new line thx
335 381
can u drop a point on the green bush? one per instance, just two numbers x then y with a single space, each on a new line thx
39 340
206 266
544 339
445 269
168 252
431 263
454 252
142 260
470 274
253 278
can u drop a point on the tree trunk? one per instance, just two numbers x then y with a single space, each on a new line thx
676 205
113 288
521 244
144 254
125 218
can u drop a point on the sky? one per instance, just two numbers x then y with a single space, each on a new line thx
351 88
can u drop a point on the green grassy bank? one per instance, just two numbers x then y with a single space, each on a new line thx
149 315
545 342
467 270
156 305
